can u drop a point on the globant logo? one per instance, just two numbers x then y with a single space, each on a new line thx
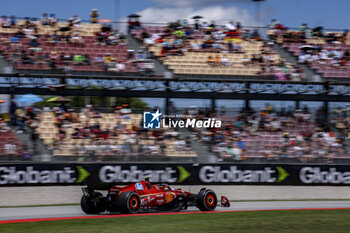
110 174
154 120
29 175
314 175
212 174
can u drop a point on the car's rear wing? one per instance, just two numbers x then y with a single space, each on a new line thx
101 186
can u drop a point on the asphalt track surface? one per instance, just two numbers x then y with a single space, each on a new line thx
75 211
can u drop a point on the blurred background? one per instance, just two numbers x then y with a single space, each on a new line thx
74 87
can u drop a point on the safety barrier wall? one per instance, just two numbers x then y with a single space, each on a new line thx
44 174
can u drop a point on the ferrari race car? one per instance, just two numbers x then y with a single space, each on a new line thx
144 197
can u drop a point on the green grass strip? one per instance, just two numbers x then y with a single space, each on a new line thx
301 221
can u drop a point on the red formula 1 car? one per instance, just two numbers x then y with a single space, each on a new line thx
144 197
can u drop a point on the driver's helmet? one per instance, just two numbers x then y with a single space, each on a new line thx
147 179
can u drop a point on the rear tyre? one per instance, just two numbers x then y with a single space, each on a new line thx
206 200
129 202
92 204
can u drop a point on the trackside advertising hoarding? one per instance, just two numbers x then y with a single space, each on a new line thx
180 174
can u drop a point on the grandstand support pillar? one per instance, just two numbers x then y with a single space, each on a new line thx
167 105
87 100
325 103
104 102
213 105
247 101
325 109
297 104
246 105
167 99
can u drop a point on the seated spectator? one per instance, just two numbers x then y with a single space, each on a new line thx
4 127
61 134
217 61
99 60
234 152
53 20
140 55
237 48
246 60
117 112
211 61
13 21
26 153
78 59
180 145
225 61
256 35
76 38
15 58
67 69
53 38
26 59
5 22
100 38
53 58
131 54
113 38
195 47
78 27
64 30
111 66
87 60
15 40
94 16
125 111
74 20
34 23
20 33
304 27
45 19
134 25
118 66
34 43
10 150
149 68
230 26
108 58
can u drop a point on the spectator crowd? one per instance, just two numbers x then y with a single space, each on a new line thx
267 134
326 52
45 43
180 37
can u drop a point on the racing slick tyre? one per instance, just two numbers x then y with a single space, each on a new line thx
206 200
92 204
129 202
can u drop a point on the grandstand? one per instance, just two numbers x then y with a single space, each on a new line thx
83 48
280 136
10 146
215 53
325 52
108 137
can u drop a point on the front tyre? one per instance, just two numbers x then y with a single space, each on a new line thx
129 202
92 204
206 200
